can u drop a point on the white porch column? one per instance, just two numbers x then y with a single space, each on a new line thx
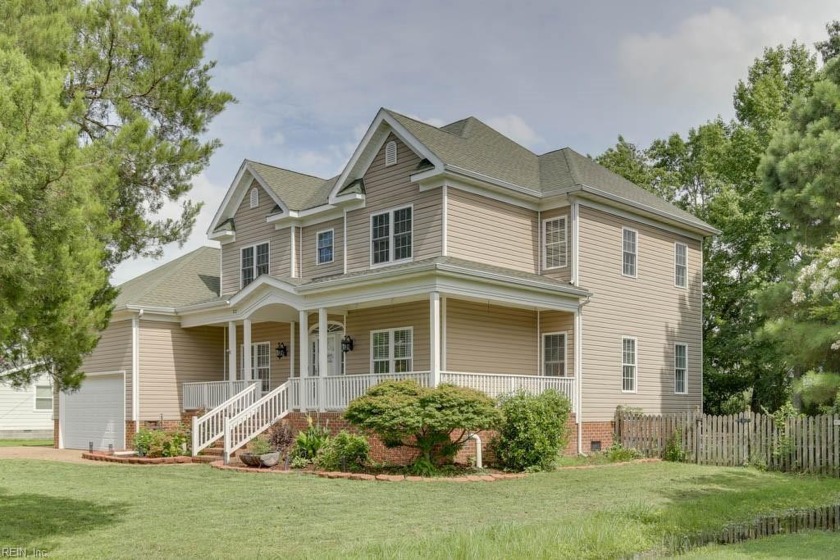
303 325
434 337
292 326
232 351
247 372
323 366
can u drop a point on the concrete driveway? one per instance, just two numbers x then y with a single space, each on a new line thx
46 454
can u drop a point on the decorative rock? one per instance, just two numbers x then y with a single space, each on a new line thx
487 478
357 476
390 477
415 478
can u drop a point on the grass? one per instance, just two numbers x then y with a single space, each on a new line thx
811 546
117 511
26 443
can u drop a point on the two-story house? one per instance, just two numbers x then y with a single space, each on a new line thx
445 255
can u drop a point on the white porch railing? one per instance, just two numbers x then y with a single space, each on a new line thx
338 390
210 427
211 394
495 384
255 419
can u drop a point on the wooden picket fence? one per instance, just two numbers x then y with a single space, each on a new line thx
799 444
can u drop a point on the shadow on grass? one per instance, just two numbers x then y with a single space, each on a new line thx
29 520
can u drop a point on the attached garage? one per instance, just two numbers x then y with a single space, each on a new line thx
95 413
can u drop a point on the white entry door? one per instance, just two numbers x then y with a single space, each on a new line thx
335 357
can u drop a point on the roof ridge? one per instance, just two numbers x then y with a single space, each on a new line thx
286 169
573 171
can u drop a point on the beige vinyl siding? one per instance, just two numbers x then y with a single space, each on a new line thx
560 322
273 333
112 354
361 322
648 307
485 338
565 273
387 188
171 356
309 258
252 229
489 231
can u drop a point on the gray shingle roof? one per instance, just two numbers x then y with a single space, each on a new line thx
297 190
187 280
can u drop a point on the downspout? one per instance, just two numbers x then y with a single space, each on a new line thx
475 436
135 370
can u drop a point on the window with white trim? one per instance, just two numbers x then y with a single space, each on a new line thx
253 262
325 246
554 354
391 350
629 248
680 265
390 236
43 398
260 364
390 153
255 197
680 368
555 246
628 364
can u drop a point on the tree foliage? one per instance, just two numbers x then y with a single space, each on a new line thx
102 107
436 422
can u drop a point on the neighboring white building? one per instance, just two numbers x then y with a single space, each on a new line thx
27 412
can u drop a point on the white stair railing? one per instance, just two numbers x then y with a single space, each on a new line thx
210 426
255 419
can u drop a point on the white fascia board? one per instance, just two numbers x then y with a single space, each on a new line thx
236 192
382 117
151 309
688 229
217 218
263 280
222 236
493 181
570 291
495 193
307 217
554 201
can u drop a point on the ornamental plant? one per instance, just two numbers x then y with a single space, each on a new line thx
345 452
436 422
533 431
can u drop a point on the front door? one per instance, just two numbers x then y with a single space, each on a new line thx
335 356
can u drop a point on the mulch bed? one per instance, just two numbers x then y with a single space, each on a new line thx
129 460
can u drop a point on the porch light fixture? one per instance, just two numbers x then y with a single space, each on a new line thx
281 351
346 343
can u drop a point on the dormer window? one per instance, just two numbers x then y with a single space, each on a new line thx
253 262
390 153
255 197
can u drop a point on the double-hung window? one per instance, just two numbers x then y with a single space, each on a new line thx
680 265
555 246
260 364
628 364
390 236
680 368
253 262
43 398
554 354
629 248
391 350
325 246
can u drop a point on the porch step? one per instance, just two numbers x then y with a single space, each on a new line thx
215 452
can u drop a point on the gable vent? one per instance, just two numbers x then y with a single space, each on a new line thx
255 197
391 153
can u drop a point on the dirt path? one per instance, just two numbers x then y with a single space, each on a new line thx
45 454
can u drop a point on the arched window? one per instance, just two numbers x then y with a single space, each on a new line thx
255 197
391 153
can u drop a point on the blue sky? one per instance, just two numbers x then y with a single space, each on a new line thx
311 75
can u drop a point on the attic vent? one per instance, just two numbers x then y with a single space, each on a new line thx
390 153
255 197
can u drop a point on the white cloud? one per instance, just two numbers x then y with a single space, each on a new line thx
702 57
515 128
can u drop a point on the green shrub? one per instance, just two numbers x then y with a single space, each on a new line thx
344 452
673 448
310 440
533 431
617 453
403 413
161 443
259 446
299 462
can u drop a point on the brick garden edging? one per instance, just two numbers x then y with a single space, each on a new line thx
379 477
143 460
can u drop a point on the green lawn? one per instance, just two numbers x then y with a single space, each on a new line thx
807 546
116 511
26 443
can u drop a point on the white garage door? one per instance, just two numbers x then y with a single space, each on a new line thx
95 413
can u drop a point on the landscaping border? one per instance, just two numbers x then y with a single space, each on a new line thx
180 460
